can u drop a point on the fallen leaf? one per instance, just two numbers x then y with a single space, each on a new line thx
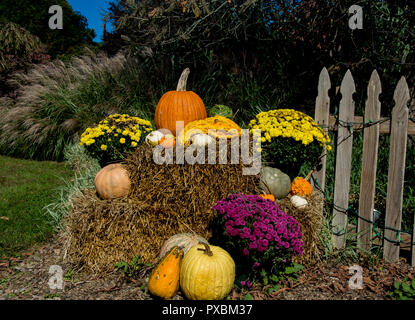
4 218
338 287
279 291
368 281
114 288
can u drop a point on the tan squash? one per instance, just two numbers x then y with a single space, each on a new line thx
112 181
183 240
164 279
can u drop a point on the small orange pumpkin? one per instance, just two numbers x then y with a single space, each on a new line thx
179 105
165 277
268 196
168 141
112 181
301 187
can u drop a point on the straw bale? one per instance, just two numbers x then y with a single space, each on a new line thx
164 200
311 222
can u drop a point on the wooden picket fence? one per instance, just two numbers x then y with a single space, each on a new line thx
372 125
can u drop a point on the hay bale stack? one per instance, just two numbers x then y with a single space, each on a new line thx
311 221
164 200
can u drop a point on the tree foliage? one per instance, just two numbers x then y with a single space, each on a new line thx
34 17
270 49
19 49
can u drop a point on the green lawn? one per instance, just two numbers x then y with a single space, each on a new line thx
25 188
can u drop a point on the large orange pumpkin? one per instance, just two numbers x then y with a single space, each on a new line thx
112 181
179 105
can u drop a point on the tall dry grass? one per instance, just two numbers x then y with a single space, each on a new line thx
57 101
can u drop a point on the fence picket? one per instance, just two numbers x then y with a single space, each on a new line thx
321 116
396 172
343 160
369 162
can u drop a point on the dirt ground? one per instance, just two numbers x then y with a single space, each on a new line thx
28 277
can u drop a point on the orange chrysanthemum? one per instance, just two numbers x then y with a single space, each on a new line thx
301 187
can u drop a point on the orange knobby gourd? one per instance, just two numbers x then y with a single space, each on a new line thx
165 277
268 196
112 181
179 105
301 187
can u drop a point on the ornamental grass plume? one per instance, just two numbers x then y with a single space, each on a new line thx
257 232
58 100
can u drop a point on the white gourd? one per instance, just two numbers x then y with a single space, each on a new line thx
154 137
299 202
202 140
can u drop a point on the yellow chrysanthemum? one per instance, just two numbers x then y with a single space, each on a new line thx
116 127
288 123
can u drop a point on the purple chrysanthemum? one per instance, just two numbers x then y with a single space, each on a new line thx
257 225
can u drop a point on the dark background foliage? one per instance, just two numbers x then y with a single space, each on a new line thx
276 49
19 50
25 37
34 17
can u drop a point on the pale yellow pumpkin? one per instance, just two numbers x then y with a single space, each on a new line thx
207 273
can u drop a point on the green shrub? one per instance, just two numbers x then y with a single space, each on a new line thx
403 290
